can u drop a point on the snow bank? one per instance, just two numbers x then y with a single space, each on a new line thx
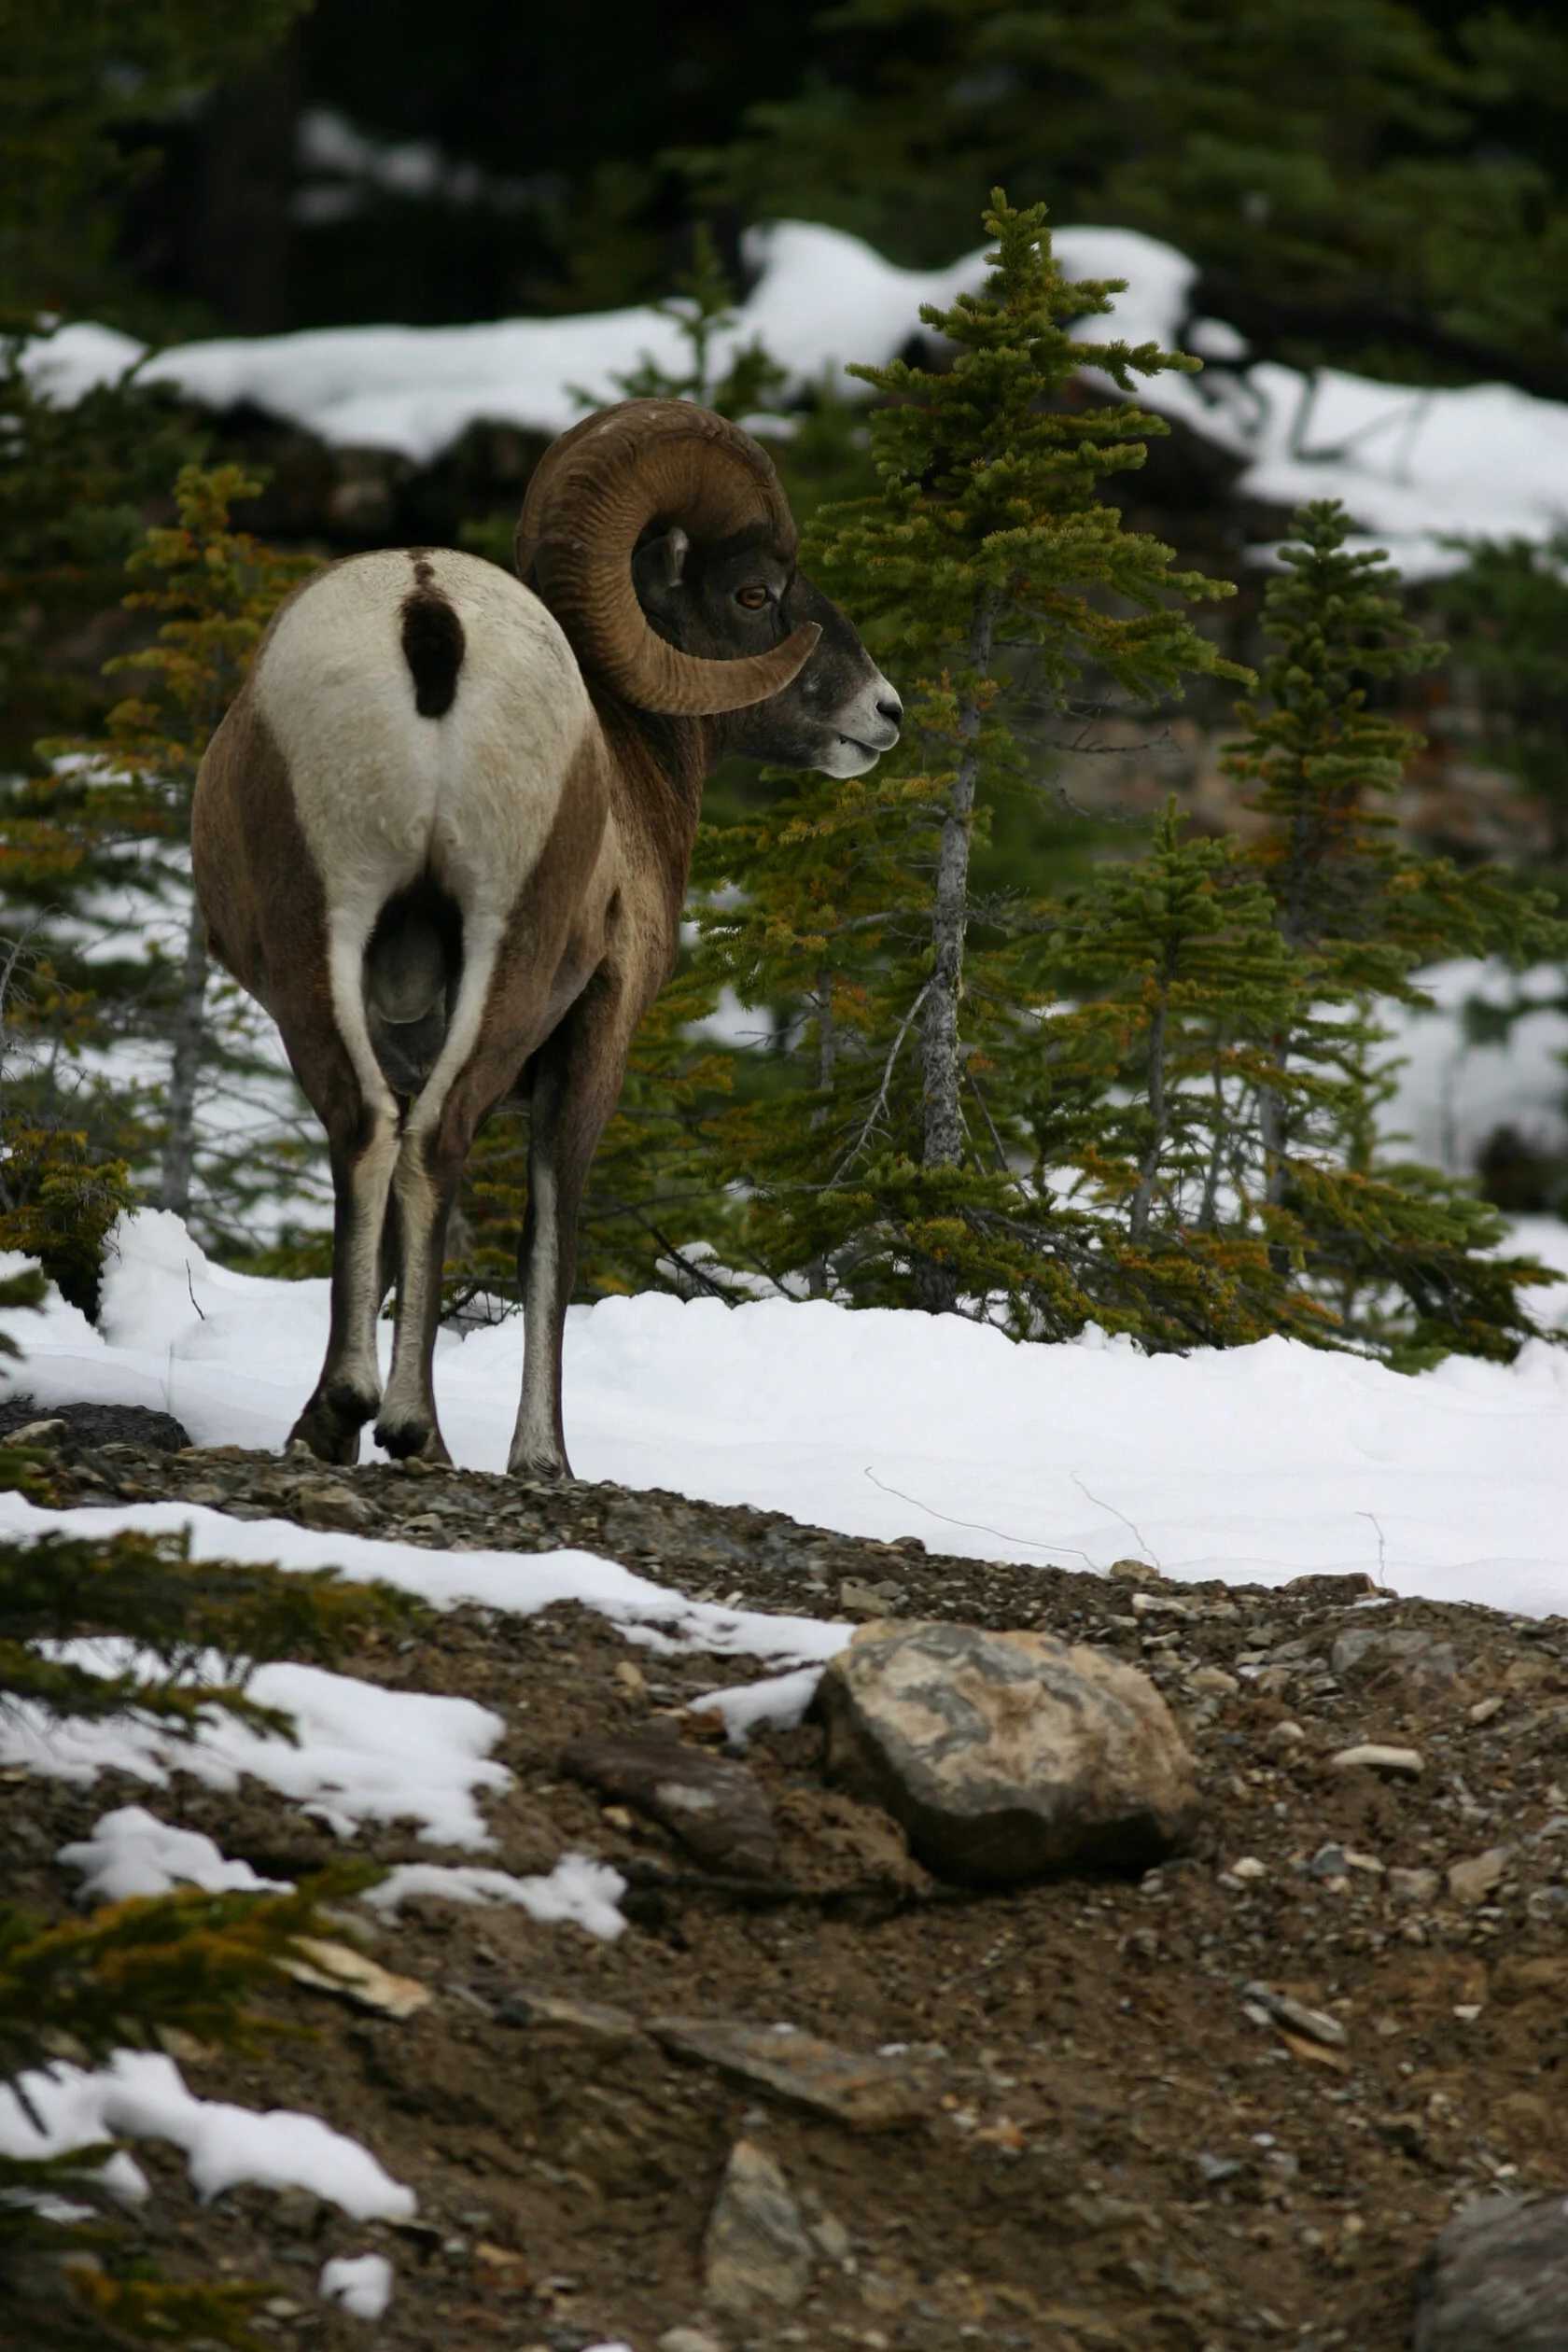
1412 464
1248 1464
141 2095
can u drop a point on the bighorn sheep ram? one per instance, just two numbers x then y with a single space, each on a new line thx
444 836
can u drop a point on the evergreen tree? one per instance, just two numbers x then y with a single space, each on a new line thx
108 831
1400 1250
77 481
1507 613
188 1959
994 581
1171 980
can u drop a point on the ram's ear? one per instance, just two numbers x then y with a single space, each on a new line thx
659 569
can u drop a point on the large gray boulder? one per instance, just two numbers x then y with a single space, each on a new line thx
1496 2280
1007 1755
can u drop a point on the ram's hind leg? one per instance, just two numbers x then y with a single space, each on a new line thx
348 1391
360 1116
471 1075
576 1082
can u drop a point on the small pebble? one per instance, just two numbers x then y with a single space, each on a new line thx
1400 1763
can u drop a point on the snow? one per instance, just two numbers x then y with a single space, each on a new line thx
1251 1464
1414 464
577 1888
131 1851
361 1754
359 2283
778 1700
140 2094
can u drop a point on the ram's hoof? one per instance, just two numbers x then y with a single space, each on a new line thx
413 1439
329 1436
551 1470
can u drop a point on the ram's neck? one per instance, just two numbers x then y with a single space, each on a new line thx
659 766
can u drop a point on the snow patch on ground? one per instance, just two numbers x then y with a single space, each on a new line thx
578 1889
141 2094
777 1703
359 2283
131 1851
361 1754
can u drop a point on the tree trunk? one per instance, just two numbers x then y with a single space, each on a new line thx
827 1056
179 1147
940 1073
827 1043
1159 1112
942 1069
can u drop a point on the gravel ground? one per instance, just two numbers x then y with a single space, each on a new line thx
1131 2135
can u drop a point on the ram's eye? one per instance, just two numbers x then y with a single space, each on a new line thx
752 598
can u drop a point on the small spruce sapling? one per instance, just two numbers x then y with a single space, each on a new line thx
993 581
1404 1252
1170 975
215 588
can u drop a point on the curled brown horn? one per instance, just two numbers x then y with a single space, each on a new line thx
593 494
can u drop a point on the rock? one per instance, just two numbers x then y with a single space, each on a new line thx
1485 1710
880 1600
1496 2280
98 1424
1397 1763
1315 2025
1351 1584
830 2236
1473 1880
1215 1678
1134 1571
868 2094
1285 1735
757 2252
688 2340
38 1433
321 1504
595 2024
1414 1655
716 1808
337 1968
631 1679
1414 1887
1006 1755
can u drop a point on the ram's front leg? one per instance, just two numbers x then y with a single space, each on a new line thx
576 1082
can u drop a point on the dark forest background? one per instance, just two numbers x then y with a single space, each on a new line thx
1378 185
